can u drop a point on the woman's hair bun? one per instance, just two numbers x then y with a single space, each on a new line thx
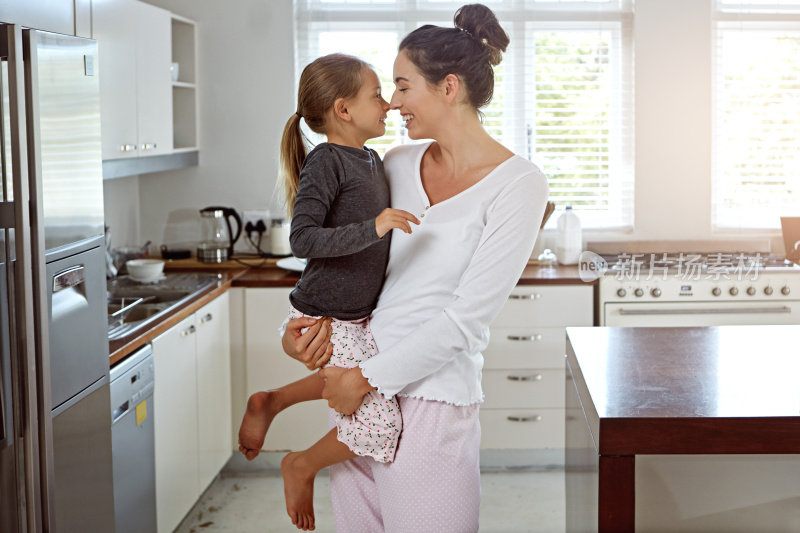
481 23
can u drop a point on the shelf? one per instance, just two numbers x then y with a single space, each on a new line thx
184 90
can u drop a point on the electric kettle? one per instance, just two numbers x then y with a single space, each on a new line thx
217 235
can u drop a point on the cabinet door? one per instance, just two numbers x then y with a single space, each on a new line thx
213 388
116 41
268 367
175 419
154 85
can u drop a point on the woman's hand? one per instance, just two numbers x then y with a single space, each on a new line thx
344 388
390 219
313 348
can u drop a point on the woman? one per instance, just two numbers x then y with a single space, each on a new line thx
480 207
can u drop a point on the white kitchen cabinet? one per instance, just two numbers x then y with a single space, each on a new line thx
175 418
267 367
524 373
134 41
214 388
192 409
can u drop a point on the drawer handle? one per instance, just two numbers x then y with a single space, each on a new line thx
188 331
530 338
531 296
207 318
535 377
534 418
127 148
149 146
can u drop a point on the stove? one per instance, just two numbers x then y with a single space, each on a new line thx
674 289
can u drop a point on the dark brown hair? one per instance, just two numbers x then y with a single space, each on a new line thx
470 51
322 82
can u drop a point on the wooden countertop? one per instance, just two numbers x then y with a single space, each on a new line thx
256 272
265 272
728 389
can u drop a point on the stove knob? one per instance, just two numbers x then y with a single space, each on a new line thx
751 291
638 292
785 290
716 291
768 290
734 291
656 293
621 293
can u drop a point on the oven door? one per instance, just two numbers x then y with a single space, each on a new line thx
680 314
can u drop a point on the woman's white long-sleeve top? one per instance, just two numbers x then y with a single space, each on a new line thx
448 280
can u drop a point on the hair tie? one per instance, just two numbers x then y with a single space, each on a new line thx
298 114
484 41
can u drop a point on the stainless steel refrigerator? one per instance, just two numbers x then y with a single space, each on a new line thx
55 420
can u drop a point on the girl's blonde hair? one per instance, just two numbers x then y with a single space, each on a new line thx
322 82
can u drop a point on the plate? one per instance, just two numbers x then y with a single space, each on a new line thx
294 264
148 280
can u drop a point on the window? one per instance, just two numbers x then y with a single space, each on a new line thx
563 93
756 123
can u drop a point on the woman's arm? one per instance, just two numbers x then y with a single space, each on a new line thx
462 326
313 347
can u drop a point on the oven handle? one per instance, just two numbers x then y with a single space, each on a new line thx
732 311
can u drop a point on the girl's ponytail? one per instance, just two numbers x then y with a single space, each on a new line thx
293 153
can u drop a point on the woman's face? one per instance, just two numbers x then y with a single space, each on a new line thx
415 99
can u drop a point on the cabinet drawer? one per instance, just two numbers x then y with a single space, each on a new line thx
536 305
522 428
511 389
529 347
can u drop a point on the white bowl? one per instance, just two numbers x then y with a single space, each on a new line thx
145 269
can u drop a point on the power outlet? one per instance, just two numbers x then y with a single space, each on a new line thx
256 218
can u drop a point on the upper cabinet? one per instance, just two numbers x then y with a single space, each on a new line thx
145 112
135 87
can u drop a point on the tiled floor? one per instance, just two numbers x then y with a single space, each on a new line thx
237 502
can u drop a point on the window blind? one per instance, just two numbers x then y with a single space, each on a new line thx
756 122
563 94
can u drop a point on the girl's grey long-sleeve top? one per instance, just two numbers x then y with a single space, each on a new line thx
341 192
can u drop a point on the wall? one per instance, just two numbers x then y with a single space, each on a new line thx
121 204
247 91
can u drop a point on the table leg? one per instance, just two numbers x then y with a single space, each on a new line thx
616 496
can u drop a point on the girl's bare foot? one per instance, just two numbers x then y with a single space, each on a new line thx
298 489
261 409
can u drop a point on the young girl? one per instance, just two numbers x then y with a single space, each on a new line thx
338 198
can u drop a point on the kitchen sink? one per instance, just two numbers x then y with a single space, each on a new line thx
133 305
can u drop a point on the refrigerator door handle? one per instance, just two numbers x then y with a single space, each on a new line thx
38 274
68 278
30 309
6 215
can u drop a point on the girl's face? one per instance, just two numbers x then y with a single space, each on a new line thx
368 108
415 99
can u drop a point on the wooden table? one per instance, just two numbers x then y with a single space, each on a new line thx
719 390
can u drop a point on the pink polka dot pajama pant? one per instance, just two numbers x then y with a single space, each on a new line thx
433 484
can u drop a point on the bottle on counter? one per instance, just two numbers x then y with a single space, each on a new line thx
569 240
279 237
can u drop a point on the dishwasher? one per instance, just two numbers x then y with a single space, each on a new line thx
133 443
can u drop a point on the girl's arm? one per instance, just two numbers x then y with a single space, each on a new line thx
462 326
320 182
